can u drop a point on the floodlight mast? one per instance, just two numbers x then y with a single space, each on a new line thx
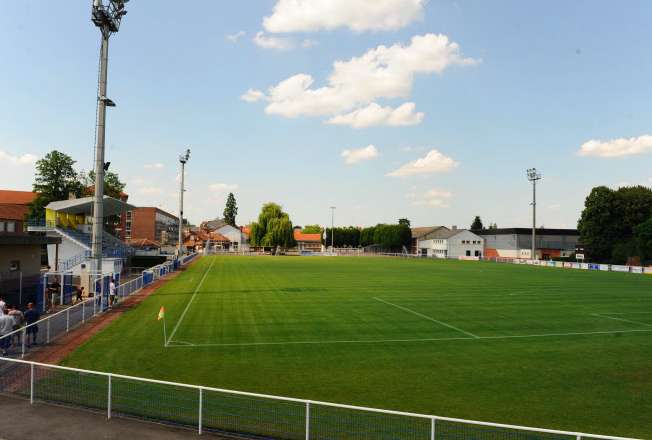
182 160
107 16
533 176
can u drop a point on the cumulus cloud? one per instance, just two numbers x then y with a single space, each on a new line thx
23 159
357 15
154 166
433 162
437 198
354 156
382 72
252 95
271 42
374 114
222 187
233 38
617 147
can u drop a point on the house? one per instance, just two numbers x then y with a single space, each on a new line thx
451 243
153 224
236 238
307 242
422 233
517 242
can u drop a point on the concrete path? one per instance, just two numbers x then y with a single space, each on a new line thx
22 421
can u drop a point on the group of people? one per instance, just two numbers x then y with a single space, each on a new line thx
13 319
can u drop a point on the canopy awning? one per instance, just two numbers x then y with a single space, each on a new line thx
84 205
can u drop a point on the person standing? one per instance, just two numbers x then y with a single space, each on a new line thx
6 327
18 321
31 317
3 305
111 292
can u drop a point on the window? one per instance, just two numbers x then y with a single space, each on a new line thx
2 226
477 253
11 226
468 253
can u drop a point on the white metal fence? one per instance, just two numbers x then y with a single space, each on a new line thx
52 326
209 409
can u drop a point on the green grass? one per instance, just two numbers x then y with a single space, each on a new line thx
399 334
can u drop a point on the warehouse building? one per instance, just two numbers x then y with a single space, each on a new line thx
517 243
451 243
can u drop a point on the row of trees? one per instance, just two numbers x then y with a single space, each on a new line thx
477 225
57 179
616 225
387 237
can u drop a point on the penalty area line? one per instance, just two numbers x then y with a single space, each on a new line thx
389 341
183 314
405 309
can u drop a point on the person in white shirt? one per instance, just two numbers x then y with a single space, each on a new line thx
3 306
111 292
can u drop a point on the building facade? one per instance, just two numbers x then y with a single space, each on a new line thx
451 243
308 242
517 243
152 224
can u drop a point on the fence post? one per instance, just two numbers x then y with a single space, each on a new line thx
48 332
23 344
83 311
31 384
108 403
20 290
201 405
432 428
67 319
307 420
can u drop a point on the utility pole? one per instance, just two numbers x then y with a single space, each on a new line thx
182 160
332 230
533 176
107 18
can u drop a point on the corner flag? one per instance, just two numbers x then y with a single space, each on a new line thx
161 314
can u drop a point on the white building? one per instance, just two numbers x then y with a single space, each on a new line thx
451 243
238 240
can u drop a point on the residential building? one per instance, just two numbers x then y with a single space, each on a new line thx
422 233
153 224
238 240
517 242
308 242
451 243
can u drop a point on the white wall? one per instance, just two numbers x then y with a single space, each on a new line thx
453 247
234 235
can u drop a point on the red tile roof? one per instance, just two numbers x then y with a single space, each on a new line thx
16 197
143 243
300 236
13 212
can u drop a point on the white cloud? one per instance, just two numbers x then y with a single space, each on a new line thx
374 114
433 162
437 198
233 38
270 42
222 187
354 156
382 72
150 190
252 95
154 166
23 159
617 147
357 15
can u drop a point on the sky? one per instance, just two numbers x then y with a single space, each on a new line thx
425 109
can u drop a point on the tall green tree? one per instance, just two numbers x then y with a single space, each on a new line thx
643 236
273 228
404 221
113 186
311 229
55 179
230 210
477 224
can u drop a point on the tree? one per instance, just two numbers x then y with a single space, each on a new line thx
477 224
404 221
273 228
311 229
493 226
230 210
55 179
113 187
643 236
608 221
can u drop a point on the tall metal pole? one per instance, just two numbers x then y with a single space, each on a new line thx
533 176
332 229
182 160
98 199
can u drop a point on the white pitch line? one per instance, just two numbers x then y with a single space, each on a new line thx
183 315
426 317
385 341
622 319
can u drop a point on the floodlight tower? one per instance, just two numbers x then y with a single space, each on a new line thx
533 176
332 229
106 15
182 160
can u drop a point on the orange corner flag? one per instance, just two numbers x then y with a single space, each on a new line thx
161 314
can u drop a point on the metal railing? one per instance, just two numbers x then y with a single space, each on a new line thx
208 409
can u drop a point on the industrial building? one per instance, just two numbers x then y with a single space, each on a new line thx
517 243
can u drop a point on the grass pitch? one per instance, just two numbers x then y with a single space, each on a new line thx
564 349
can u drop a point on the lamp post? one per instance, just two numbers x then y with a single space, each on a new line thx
332 230
533 176
107 16
182 160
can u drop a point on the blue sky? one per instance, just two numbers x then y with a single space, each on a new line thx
515 85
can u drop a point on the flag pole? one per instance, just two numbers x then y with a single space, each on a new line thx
165 337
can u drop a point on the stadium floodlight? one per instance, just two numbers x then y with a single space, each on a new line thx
107 16
332 230
182 161
533 176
